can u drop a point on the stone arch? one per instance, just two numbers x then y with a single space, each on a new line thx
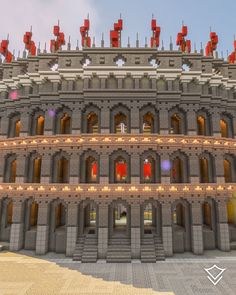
179 167
63 121
209 224
10 168
6 219
229 168
91 118
206 168
204 123
34 164
231 212
226 125
14 125
37 122
150 171
95 82
120 119
89 167
119 209
112 82
177 121
30 224
161 85
145 83
119 166
88 220
128 82
181 226
60 167
149 122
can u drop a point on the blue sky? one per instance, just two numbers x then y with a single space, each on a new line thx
199 15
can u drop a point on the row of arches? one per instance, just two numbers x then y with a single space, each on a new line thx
120 122
119 162
119 215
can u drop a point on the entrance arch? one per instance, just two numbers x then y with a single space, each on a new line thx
209 224
151 218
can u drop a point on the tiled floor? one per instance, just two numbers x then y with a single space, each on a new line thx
21 273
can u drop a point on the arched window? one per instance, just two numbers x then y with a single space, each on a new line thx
60 215
223 128
148 123
179 215
14 126
177 170
206 169
229 168
177 121
226 126
120 170
92 123
201 125
207 215
62 170
120 123
227 171
36 170
17 128
91 170
148 169
231 212
9 213
176 124
65 123
40 126
33 214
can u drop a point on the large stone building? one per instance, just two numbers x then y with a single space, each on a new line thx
118 153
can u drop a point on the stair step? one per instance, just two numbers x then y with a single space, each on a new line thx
233 245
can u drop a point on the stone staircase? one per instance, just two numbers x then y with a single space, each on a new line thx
86 249
4 246
119 249
152 249
233 245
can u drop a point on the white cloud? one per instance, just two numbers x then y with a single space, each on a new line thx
17 17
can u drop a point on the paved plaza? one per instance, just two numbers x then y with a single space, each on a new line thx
22 273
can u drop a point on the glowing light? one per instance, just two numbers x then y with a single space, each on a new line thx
209 188
53 189
133 139
159 140
41 188
13 95
93 139
68 140
79 189
30 188
66 188
165 165
133 189
51 113
173 189
20 188
92 189
119 189
185 189
220 188
147 189
106 189
160 189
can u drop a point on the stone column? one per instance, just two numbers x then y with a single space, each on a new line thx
191 122
197 236
104 169
25 120
223 241
76 121
102 230
135 168
46 168
74 169
4 126
134 120
219 168
135 231
21 168
72 227
42 227
50 114
167 228
194 169
17 227
164 121
216 123
105 120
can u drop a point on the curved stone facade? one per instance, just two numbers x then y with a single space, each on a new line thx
118 162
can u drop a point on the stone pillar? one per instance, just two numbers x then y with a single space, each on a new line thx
196 229
164 121
25 120
105 120
72 227
102 230
21 168
74 169
135 231
2 167
42 227
216 123
4 126
167 228
191 122
17 227
46 168
194 169
219 168
223 241
134 120
49 121
135 168
76 121
104 169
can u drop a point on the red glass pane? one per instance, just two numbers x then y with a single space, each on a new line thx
147 170
121 171
94 169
